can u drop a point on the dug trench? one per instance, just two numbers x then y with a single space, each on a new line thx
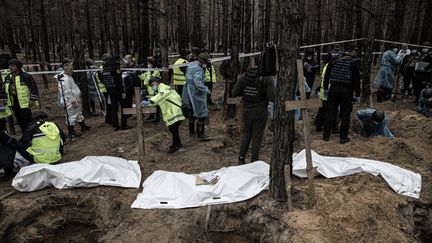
355 208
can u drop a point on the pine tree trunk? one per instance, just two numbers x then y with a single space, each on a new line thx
197 35
292 19
80 78
163 40
225 25
89 30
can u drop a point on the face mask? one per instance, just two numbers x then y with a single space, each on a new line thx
204 65
154 88
395 49
309 58
425 50
414 51
149 66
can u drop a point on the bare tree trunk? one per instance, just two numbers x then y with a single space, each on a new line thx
292 19
163 41
80 78
114 33
225 25
182 28
247 37
125 28
197 35
89 30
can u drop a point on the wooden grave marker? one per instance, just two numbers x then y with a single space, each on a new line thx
139 111
304 105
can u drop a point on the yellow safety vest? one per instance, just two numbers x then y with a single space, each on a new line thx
145 77
8 103
213 76
170 104
178 76
102 88
45 146
321 93
22 90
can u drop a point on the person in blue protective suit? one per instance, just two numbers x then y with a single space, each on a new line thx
195 96
425 102
374 123
385 79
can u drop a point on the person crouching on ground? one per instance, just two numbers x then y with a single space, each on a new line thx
170 104
43 140
71 98
374 123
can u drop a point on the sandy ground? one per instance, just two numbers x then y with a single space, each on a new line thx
358 208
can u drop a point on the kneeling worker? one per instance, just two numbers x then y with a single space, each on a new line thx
374 123
425 102
170 104
43 140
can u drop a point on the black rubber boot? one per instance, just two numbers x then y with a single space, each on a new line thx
191 128
72 133
83 126
200 132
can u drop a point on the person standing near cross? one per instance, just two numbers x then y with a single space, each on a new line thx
343 78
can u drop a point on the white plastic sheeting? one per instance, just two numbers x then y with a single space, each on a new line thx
402 181
164 189
89 172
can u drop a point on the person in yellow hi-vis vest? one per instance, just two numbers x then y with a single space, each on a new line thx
23 93
179 78
149 92
43 140
5 102
210 78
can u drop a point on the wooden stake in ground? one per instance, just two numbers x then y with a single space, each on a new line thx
304 105
139 111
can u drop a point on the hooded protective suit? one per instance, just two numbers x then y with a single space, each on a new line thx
72 97
386 74
195 91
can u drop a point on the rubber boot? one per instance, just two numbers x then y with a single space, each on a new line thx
72 133
191 128
83 126
200 132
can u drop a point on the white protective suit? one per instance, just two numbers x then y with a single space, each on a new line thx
72 95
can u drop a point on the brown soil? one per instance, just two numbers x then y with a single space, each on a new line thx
358 208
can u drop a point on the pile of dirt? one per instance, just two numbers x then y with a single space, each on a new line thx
353 208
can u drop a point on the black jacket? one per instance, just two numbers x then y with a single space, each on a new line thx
29 81
343 72
111 77
253 75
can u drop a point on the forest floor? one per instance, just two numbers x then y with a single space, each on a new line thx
357 208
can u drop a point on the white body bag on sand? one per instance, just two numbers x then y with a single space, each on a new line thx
402 181
89 172
164 189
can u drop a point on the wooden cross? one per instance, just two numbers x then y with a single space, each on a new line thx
139 111
304 105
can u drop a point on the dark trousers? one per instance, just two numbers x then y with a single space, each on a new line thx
320 117
108 116
254 125
116 102
418 85
210 87
338 96
409 73
384 94
179 89
3 124
23 116
174 130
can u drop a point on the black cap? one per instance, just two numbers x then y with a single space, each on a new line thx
15 62
39 114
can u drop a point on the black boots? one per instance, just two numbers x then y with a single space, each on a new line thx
191 128
83 126
72 134
200 132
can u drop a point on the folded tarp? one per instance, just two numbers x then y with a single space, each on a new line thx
402 181
91 171
164 189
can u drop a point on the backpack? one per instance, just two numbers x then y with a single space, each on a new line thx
253 92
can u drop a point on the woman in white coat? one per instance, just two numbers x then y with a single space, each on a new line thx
70 94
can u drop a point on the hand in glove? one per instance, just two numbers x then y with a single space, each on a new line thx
145 103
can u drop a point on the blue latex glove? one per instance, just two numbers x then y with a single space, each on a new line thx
145 103
356 100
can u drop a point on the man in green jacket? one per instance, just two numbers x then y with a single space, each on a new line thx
170 105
